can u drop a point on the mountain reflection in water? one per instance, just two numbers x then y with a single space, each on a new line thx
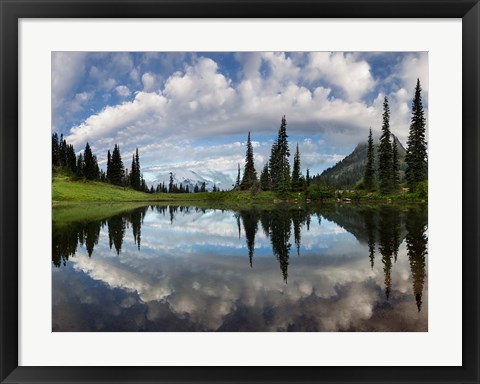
280 268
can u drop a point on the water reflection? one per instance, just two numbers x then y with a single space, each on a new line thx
186 260
67 236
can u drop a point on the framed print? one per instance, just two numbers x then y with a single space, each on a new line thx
239 192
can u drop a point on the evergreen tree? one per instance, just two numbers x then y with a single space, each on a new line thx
249 173
117 171
265 178
62 152
109 159
279 165
133 179
203 188
55 150
416 157
96 169
170 183
395 166
143 185
308 178
297 183
135 174
80 165
369 177
195 189
71 159
89 163
137 164
385 152
273 165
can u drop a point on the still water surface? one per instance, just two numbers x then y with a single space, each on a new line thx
279 268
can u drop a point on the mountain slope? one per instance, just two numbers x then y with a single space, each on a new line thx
349 171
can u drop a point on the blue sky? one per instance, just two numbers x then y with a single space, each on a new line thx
193 110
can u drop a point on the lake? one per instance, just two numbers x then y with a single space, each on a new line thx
330 267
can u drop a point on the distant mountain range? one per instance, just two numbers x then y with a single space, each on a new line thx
349 171
191 178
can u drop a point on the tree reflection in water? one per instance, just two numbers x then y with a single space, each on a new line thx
382 228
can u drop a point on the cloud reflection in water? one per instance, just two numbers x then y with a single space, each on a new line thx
252 270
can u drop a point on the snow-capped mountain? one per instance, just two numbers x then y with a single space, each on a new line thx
192 178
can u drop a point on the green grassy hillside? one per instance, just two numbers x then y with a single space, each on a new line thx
66 189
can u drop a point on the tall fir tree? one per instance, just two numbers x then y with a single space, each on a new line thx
308 179
89 163
170 183
143 185
279 165
416 158
55 150
265 178
395 166
80 166
117 171
249 173
71 159
133 179
297 183
138 174
385 152
62 151
273 165
369 177
109 160
135 173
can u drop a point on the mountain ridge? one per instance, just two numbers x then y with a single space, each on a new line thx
350 170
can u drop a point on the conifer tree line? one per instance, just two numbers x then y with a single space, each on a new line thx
388 175
275 175
85 165
63 154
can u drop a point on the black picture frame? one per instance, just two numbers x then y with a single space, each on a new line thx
11 11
